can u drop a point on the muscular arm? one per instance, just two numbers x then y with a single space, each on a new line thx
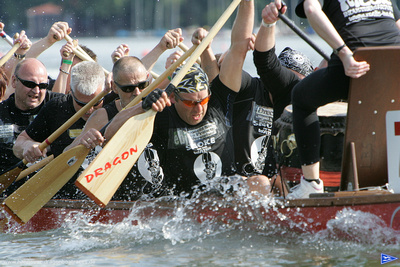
231 68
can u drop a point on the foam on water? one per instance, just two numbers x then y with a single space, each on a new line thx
352 238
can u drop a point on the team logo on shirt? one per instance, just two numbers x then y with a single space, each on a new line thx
149 166
258 154
207 166
199 139
262 118
360 10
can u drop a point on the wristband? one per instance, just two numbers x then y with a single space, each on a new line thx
63 71
337 50
66 61
267 25
18 56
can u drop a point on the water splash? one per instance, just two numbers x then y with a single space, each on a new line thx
360 227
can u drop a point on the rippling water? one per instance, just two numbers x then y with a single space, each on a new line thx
353 238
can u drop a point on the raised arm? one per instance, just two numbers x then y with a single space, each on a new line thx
170 40
19 55
208 61
67 55
232 65
324 28
265 39
56 33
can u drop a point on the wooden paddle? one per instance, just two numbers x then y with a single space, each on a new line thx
24 202
185 48
9 54
6 37
9 175
303 36
79 52
34 167
36 192
104 175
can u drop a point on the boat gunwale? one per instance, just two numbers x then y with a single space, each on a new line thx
328 201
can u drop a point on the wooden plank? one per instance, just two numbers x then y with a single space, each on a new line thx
370 97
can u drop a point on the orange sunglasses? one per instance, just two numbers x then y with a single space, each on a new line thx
193 103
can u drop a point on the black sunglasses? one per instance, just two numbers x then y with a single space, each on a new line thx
131 87
82 104
31 84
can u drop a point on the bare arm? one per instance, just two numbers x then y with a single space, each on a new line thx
231 68
170 40
27 148
265 39
324 28
56 33
22 50
90 132
208 61
67 55
13 61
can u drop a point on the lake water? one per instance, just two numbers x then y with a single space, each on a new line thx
353 238
139 46
180 241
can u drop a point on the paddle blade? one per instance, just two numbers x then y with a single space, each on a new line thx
104 175
27 200
9 176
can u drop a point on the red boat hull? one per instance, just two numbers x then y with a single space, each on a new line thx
308 215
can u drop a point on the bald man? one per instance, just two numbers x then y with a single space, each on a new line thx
30 83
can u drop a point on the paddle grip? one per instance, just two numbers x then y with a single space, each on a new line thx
7 38
170 88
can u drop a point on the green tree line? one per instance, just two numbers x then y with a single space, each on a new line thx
107 17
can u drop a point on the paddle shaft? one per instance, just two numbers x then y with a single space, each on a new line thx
9 54
168 72
185 48
303 36
79 52
34 167
102 187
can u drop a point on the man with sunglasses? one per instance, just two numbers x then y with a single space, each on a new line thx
193 137
130 77
29 82
87 81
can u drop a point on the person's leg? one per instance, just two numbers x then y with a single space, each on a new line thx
319 88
